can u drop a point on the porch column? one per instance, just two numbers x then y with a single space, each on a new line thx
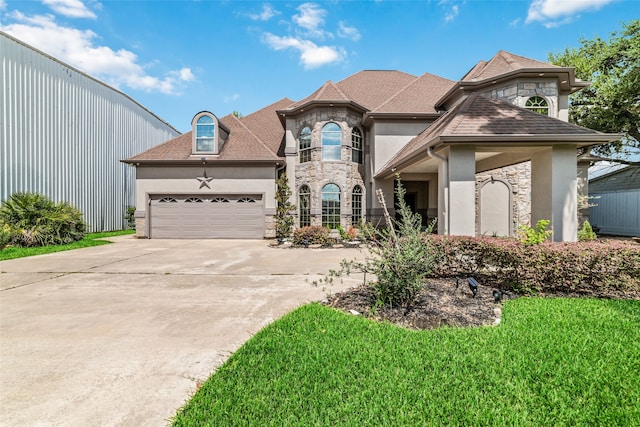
443 195
462 191
554 186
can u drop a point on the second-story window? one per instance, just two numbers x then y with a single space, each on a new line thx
304 148
356 146
331 136
538 105
205 135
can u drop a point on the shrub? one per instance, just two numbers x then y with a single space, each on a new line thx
130 217
35 220
400 260
580 267
586 233
535 236
311 235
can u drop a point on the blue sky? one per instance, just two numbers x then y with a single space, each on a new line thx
180 57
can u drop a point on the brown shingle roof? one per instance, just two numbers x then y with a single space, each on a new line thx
327 92
256 137
419 96
503 62
371 88
480 117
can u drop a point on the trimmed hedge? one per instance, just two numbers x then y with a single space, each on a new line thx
311 235
581 267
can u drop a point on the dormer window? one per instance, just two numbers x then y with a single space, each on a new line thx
205 135
537 104
208 134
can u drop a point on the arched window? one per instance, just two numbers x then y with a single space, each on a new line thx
304 147
538 105
356 146
205 134
331 206
304 203
331 136
356 206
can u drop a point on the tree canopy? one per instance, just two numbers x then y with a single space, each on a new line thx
612 102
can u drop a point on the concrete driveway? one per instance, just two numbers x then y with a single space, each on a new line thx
119 335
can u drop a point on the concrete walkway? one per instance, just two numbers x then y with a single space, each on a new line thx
119 335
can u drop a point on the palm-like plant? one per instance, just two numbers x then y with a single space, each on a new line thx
35 220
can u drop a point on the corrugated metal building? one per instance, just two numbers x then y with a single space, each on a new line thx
617 199
63 134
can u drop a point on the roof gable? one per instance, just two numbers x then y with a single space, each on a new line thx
502 63
371 88
419 96
479 118
256 137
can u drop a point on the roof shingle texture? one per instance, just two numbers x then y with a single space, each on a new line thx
479 116
255 137
503 62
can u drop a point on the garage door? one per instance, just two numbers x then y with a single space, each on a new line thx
206 217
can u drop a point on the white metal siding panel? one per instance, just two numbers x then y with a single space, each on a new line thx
63 134
616 212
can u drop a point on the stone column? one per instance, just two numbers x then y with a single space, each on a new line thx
554 190
462 191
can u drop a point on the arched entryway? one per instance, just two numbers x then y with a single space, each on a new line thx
495 208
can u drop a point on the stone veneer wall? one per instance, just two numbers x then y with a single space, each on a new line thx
316 173
269 227
141 228
519 177
517 93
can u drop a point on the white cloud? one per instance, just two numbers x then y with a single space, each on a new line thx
452 14
186 75
231 98
70 8
347 32
553 13
311 55
3 4
267 13
76 47
311 19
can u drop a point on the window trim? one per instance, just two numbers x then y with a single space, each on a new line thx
195 137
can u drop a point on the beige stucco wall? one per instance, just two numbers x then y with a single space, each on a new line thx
387 138
255 180
226 180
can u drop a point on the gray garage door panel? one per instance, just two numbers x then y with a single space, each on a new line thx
207 217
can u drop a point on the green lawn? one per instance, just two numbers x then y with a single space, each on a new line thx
91 239
551 362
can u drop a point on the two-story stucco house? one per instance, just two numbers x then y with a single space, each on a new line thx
482 155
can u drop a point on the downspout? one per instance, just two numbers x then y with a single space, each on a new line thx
443 223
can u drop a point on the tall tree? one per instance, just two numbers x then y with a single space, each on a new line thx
612 102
